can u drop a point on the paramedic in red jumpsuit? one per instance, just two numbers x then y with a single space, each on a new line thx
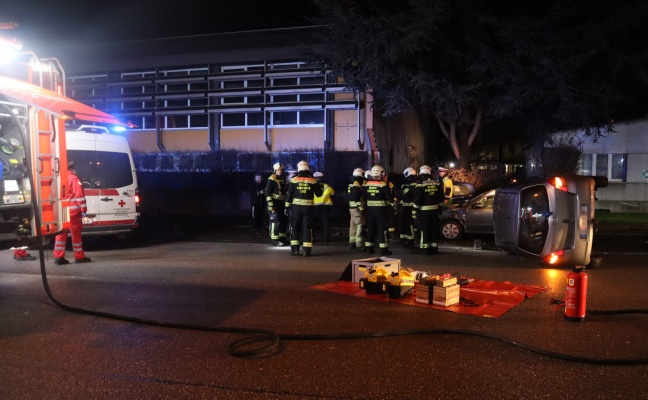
77 206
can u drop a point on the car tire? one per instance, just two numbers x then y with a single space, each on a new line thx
452 230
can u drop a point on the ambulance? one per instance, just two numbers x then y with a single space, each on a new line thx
104 164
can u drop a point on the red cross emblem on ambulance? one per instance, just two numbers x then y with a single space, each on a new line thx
122 203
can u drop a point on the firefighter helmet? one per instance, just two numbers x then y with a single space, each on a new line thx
277 166
409 171
443 169
318 175
367 174
303 166
425 169
358 172
377 172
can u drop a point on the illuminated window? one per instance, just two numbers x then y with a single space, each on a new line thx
294 94
612 166
285 83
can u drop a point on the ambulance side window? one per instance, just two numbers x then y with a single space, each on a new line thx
102 169
84 165
114 169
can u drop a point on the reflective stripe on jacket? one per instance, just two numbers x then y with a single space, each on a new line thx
302 190
377 194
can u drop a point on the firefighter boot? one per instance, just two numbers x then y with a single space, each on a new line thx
370 249
353 246
307 251
385 252
294 250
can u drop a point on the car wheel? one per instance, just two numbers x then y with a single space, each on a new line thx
452 230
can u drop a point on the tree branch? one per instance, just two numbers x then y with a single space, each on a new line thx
476 126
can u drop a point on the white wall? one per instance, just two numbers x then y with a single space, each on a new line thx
631 138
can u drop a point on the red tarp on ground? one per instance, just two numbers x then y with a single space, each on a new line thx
479 298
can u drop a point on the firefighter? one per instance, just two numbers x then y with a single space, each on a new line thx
356 209
427 197
377 197
406 227
300 196
392 209
446 184
77 210
275 192
323 205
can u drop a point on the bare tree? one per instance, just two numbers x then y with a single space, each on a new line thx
465 62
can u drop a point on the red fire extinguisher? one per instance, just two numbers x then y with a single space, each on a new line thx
576 294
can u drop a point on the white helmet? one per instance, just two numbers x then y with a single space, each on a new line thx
358 172
377 172
367 174
303 166
277 166
318 175
425 169
409 171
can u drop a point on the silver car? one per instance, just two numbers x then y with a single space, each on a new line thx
474 216
548 219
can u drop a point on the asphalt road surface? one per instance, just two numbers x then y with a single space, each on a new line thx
142 319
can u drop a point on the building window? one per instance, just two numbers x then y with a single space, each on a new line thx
293 93
311 117
285 86
612 166
230 120
198 121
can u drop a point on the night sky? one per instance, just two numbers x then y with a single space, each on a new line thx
122 20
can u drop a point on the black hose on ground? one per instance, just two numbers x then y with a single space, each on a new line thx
264 343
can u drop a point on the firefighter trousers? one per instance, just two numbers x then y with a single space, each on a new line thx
60 240
301 226
278 222
377 220
356 227
406 227
429 225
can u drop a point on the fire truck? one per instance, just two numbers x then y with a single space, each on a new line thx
33 156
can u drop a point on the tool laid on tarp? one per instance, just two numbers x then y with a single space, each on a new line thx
479 298
375 281
401 283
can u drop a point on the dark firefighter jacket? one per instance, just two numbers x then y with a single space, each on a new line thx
408 190
377 194
302 190
354 192
275 191
428 194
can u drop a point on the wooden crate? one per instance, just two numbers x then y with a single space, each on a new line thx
445 296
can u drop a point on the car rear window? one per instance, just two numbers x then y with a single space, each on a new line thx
102 169
534 212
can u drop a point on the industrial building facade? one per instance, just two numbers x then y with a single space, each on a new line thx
267 106
225 106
